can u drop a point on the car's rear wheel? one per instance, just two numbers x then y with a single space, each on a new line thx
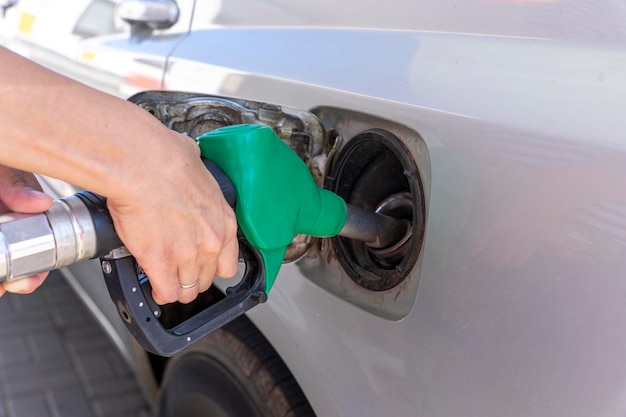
233 372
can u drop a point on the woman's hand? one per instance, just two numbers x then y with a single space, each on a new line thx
180 229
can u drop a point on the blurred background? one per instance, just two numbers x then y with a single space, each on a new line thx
54 33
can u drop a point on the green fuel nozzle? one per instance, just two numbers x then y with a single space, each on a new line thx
277 196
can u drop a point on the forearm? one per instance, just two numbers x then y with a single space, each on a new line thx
165 205
57 127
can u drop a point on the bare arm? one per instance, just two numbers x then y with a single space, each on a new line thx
167 208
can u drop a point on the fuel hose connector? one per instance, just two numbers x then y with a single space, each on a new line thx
75 228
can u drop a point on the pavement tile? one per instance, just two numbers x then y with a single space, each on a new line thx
32 369
129 404
55 360
45 344
27 322
118 365
68 402
70 314
115 396
40 382
34 405
86 339
94 366
13 350
114 387
58 291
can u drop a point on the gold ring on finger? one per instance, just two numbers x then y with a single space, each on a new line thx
187 286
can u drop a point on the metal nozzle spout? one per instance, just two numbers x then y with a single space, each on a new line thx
376 230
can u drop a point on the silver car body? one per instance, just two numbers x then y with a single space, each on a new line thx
520 113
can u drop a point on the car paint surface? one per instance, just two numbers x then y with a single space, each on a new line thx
521 107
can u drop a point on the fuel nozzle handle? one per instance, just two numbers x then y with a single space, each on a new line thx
277 197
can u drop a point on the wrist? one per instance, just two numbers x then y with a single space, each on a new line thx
160 159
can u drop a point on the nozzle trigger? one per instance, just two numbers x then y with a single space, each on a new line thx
132 295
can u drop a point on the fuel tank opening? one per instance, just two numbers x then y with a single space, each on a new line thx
399 206
375 171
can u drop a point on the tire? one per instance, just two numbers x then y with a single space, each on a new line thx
233 372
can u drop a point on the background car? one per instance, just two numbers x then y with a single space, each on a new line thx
495 127
50 32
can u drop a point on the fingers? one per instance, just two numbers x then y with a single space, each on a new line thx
228 260
165 290
181 253
189 286
184 285
24 285
20 192
196 276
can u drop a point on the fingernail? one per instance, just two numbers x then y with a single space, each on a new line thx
35 193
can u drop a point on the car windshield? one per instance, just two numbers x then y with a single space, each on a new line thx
97 20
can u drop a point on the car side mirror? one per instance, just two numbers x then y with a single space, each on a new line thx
6 4
144 16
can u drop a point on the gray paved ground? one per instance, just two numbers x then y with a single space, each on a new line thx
55 361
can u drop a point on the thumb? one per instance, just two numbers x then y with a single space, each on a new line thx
20 192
